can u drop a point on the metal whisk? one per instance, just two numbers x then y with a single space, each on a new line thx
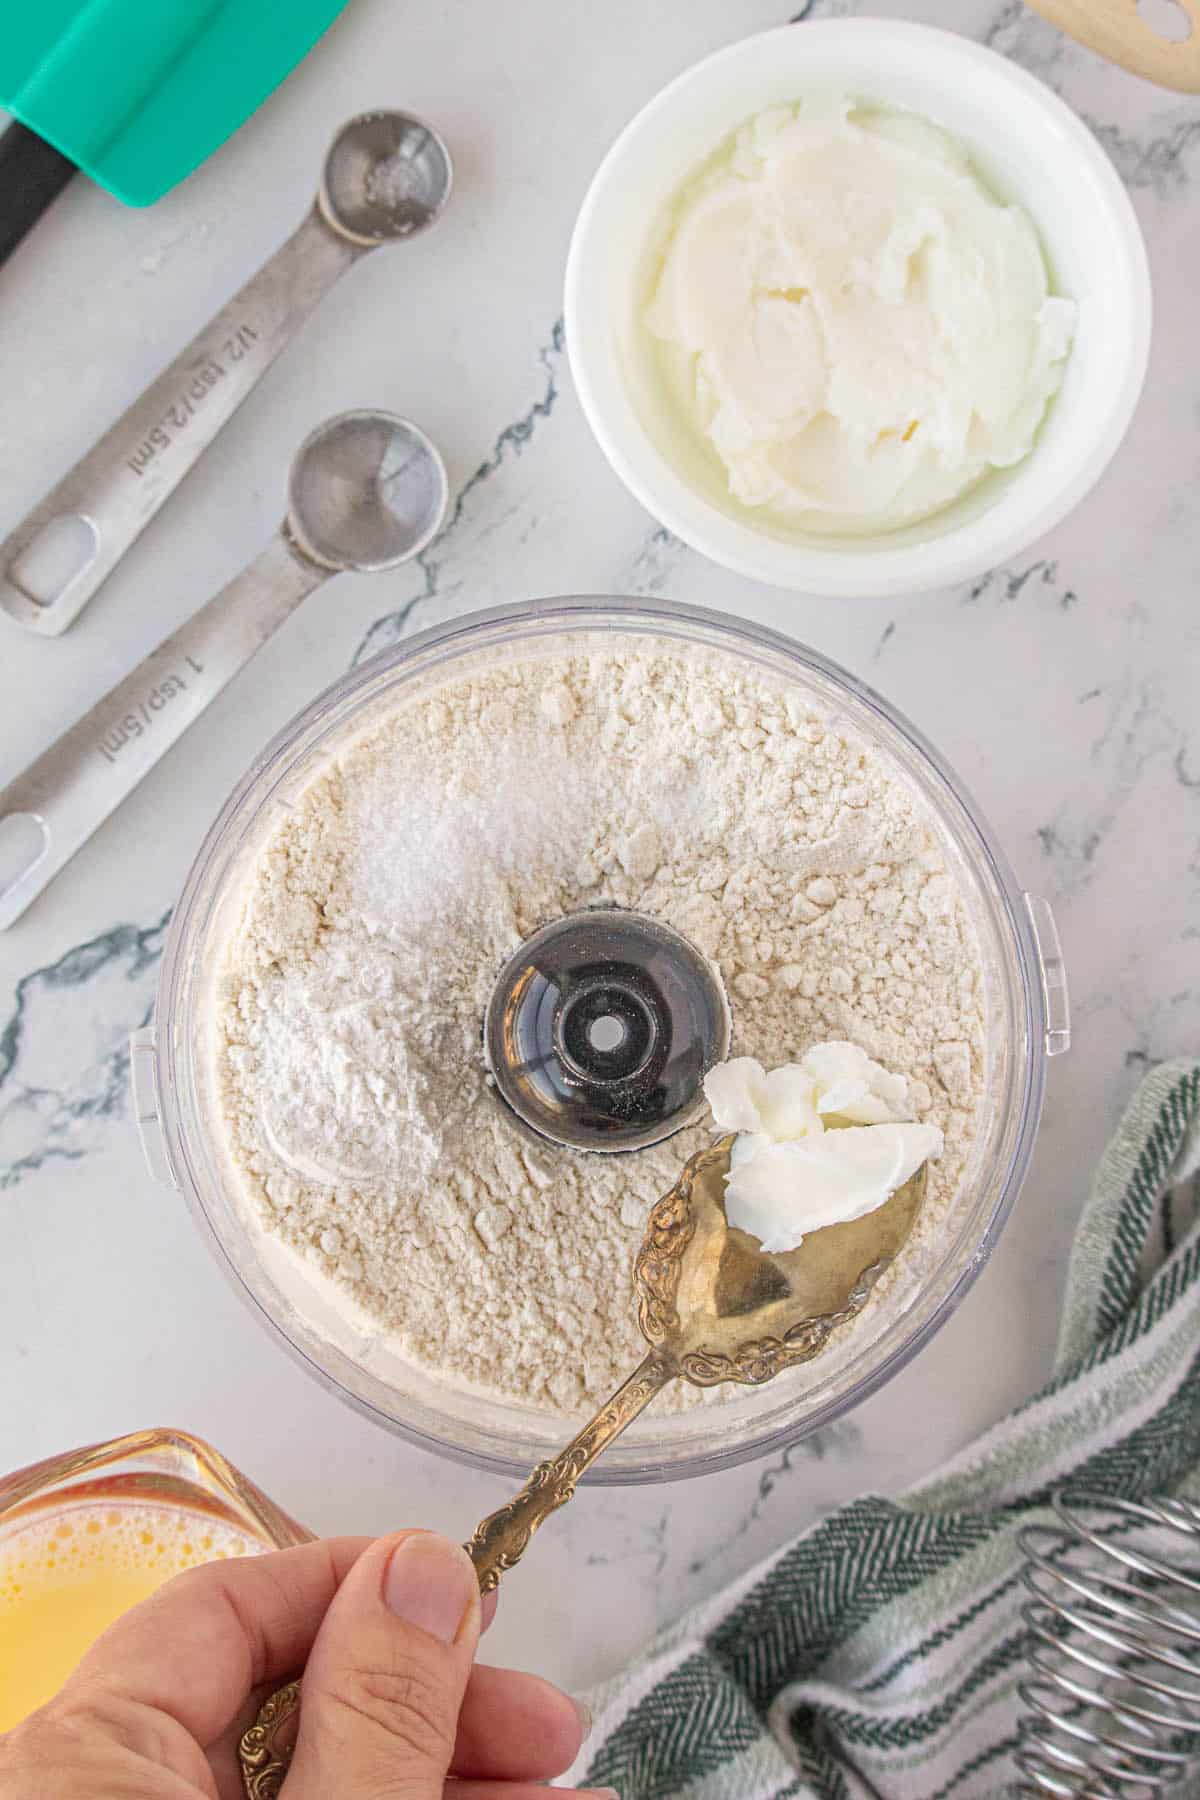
1114 1622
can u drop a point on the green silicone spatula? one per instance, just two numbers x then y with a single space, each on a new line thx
136 93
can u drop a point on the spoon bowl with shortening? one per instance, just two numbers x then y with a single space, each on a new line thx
713 1307
386 177
367 492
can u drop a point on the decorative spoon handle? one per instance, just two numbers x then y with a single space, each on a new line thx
265 1752
503 1537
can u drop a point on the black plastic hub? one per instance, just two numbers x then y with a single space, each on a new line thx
601 1029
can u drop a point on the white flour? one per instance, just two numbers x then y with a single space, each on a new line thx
357 1109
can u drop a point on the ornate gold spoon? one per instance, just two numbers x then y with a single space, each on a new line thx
712 1307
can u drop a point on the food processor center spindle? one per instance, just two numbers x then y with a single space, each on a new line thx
601 1028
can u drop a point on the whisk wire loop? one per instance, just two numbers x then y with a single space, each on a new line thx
1058 1677
1113 1697
1102 1588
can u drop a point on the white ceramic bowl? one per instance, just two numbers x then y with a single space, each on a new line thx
1028 146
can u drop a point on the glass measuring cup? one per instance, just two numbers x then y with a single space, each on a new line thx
87 1534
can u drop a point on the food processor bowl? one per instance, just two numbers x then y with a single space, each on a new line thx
179 1116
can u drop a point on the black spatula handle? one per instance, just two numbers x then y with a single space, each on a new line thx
32 176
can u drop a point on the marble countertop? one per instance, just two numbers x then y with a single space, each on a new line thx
1063 688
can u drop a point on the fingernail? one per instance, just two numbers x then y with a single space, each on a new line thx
584 1713
429 1583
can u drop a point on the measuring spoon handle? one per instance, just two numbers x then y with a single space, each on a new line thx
48 812
113 493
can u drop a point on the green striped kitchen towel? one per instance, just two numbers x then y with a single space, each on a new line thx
877 1658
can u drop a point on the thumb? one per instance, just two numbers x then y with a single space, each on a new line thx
387 1674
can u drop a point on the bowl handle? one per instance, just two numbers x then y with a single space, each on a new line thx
1056 999
1116 30
147 1114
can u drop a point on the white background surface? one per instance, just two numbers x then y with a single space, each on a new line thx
1062 688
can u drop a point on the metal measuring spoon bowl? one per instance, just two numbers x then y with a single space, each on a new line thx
387 175
367 491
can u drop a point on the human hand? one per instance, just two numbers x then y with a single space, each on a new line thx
394 1707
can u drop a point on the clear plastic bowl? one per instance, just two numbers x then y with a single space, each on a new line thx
179 1119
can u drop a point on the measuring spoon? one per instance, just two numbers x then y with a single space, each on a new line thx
366 491
386 177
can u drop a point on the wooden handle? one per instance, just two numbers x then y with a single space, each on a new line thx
1116 29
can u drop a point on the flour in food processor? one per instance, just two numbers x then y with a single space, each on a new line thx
359 1118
